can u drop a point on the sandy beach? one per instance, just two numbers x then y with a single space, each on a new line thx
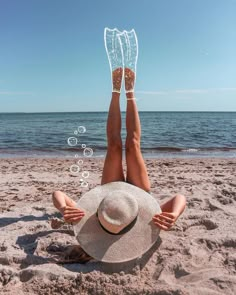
197 256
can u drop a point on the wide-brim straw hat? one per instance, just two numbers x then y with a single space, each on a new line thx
117 225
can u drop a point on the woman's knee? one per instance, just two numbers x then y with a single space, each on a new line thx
132 144
114 143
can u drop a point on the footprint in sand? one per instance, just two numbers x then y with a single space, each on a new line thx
41 188
214 244
179 271
232 184
226 197
39 208
209 224
217 182
204 223
194 202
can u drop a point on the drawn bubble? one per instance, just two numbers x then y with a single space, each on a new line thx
80 162
81 129
83 146
88 152
75 132
72 141
74 168
76 155
85 174
84 184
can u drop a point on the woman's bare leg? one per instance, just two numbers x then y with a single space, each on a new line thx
136 168
112 170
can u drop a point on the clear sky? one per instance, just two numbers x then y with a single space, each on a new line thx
52 55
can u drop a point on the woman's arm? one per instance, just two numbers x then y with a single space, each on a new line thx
67 207
171 210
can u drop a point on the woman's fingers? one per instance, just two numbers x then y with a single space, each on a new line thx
78 216
161 226
169 214
73 217
163 222
162 217
72 209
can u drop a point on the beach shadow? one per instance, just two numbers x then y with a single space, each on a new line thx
133 266
5 221
110 268
28 243
31 259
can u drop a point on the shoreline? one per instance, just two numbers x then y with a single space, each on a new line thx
146 155
197 256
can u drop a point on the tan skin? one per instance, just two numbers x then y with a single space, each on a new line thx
136 168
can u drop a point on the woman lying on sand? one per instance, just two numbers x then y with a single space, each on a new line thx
136 168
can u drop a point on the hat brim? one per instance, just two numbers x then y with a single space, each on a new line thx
107 247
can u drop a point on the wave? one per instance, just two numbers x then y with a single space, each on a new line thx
167 149
189 149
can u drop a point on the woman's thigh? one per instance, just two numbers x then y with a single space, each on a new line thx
112 169
136 169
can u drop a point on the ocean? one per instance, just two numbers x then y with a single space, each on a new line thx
164 134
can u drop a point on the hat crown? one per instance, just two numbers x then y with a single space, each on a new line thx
117 210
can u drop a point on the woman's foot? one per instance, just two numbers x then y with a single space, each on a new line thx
117 76
129 80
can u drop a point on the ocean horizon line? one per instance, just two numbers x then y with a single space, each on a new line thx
73 112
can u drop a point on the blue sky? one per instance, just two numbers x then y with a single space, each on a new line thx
52 55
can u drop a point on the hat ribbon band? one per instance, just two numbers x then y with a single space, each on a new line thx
124 230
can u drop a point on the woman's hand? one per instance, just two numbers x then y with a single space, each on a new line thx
72 214
165 220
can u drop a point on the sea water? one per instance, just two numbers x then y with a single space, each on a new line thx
164 134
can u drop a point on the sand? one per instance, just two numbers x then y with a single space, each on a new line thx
197 256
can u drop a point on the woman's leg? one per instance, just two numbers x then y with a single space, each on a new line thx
112 170
136 168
